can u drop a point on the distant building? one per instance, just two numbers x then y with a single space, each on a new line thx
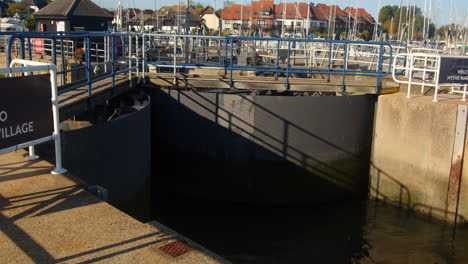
233 17
212 21
73 15
364 20
34 5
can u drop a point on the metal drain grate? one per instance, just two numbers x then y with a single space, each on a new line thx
175 249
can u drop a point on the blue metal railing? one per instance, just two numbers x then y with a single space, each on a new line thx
126 53
229 48
97 49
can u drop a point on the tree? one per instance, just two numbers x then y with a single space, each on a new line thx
30 23
17 8
387 12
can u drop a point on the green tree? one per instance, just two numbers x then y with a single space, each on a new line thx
31 23
17 8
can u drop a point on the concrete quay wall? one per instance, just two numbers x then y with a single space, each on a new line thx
418 155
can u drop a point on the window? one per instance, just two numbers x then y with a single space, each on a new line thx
265 13
238 12
255 13
229 12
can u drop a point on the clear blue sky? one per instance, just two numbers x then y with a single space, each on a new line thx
440 8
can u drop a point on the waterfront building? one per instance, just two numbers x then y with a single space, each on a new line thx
73 15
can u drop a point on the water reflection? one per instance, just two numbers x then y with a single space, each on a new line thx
352 232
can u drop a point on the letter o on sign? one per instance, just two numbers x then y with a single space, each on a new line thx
3 116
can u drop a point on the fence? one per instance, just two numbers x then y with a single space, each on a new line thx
82 58
98 56
274 56
423 70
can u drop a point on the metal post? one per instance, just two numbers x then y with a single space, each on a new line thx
225 55
113 53
55 111
277 59
22 54
345 67
130 60
32 154
137 57
378 85
288 65
175 60
143 68
464 92
29 49
62 55
88 63
330 60
231 62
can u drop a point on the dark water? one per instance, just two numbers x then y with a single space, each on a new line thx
349 232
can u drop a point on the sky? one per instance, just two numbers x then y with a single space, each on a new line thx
441 17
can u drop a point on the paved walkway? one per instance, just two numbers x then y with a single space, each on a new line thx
47 218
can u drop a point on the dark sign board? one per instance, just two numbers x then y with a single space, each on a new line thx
25 109
453 70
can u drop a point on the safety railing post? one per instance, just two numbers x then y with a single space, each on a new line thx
62 56
288 65
436 89
137 51
130 60
21 47
278 46
88 62
53 49
345 67
231 64
175 61
378 85
225 55
55 113
29 49
143 68
113 53
330 50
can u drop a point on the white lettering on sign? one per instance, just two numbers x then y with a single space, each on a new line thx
462 71
3 116
19 129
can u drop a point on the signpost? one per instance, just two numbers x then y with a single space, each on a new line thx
29 109
25 109
453 70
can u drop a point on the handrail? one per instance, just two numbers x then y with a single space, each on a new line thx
94 57
229 48
428 65
279 56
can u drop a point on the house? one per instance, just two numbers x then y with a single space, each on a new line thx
174 19
72 15
363 20
334 19
262 16
34 5
234 16
294 19
212 22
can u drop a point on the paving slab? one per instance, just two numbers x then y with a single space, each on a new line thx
47 218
